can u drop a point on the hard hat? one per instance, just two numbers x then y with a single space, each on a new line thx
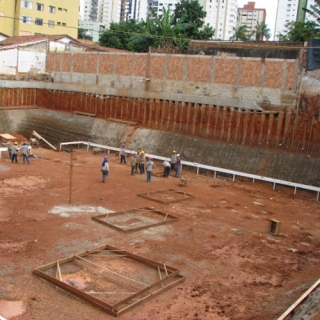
178 155
16 142
134 153
174 151
150 158
142 152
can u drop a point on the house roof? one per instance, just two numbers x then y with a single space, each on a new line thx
94 47
3 34
22 40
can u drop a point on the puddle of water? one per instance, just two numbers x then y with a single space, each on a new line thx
11 309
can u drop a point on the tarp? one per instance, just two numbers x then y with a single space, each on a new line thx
313 54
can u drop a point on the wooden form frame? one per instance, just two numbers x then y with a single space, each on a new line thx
171 278
165 218
149 196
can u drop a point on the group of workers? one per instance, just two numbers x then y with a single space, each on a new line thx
14 148
140 161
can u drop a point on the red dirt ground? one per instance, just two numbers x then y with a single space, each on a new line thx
234 268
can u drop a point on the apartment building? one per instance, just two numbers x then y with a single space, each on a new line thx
287 11
103 11
21 17
251 16
222 16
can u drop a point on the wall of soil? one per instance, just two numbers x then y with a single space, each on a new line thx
58 127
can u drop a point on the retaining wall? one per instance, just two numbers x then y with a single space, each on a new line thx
58 127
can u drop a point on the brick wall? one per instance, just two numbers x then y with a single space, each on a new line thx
194 77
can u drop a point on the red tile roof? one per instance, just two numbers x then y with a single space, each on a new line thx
31 39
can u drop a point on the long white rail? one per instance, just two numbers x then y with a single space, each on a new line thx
199 166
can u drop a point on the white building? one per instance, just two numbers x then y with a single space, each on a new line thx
222 16
286 12
93 28
102 11
309 17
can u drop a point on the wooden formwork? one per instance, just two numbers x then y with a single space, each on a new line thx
135 219
153 279
166 196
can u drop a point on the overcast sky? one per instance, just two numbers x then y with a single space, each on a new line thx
269 5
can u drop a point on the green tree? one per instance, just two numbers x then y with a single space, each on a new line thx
191 13
240 33
119 34
314 10
84 34
298 31
261 31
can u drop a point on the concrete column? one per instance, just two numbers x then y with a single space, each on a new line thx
148 73
212 70
85 68
238 75
284 75
114 65
165 68
132 68
60 68
71 68
189 106
185 68
262 71
98 68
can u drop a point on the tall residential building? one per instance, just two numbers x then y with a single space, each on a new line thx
21 17
287 11
250 16
222 16
103 11
309 17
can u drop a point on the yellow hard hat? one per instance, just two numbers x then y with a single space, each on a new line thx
174 151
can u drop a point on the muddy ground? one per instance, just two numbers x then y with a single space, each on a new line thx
233 268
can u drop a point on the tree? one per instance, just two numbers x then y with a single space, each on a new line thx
191 13
119 34
240 33
298 31
314 10
84 34
262 31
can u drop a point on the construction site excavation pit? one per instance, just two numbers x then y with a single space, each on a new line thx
220 241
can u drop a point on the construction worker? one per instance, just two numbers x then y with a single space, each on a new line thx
25 151
173 160
105 169
149 166
166 166
14 152
10 146
142 161
123 154
133 163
